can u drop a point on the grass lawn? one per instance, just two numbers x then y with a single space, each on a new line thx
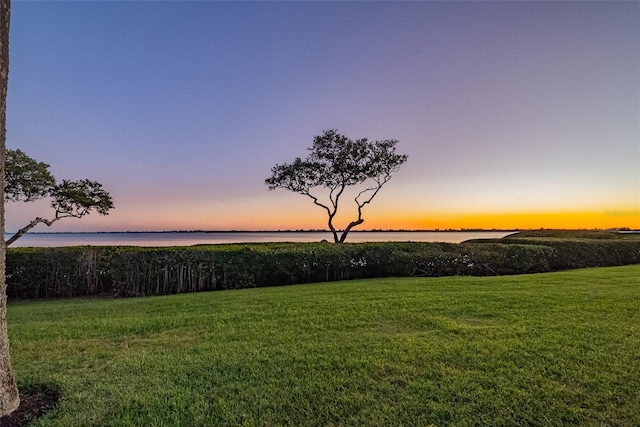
546 349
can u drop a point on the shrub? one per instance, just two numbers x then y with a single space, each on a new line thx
134 271
57 272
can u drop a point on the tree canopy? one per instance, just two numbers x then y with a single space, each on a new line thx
27 180
334 163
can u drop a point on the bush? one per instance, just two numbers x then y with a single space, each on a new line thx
581 253
134 271
34 273
580 248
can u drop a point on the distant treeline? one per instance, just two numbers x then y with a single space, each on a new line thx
34 273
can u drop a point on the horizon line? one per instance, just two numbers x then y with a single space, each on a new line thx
316 230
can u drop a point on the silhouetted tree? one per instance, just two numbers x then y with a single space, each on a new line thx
335 163
27 179
9 397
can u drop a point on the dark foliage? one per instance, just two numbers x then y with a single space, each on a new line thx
334 164
27 180
129 271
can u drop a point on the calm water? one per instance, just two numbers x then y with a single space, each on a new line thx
194 238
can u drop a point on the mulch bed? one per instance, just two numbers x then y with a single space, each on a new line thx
33 404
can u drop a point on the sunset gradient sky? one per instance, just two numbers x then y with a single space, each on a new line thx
514 114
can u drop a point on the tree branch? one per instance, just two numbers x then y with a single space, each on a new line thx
360 220
329 213
29 226
79 213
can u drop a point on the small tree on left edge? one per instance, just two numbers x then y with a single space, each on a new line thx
27 180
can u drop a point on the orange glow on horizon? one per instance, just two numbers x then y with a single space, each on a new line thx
619 218
605 219
244 215
557 220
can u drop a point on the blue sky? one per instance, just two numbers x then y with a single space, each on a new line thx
506 109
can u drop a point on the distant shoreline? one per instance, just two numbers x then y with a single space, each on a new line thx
189 238
449 230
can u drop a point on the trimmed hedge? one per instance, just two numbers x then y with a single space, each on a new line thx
580 248
34 273
57 272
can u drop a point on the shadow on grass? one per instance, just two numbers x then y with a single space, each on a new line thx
35 401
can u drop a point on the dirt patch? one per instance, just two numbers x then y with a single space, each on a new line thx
34 403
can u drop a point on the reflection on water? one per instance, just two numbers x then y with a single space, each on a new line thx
194 238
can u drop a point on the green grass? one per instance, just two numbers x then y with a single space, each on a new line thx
547 349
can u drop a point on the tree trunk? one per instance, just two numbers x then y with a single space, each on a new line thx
28 227
9 399
333 230
348 229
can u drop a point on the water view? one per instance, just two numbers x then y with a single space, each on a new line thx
218 237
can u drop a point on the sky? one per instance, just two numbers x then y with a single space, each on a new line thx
514 114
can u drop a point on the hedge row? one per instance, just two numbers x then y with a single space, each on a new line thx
583 252
133 271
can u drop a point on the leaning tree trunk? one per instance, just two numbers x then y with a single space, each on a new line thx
28 227
9 399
